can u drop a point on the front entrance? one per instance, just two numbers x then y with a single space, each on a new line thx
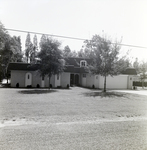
28 79
74 79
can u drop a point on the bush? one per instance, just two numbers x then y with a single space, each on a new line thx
93 86
67 86
38 86
17 85
29 86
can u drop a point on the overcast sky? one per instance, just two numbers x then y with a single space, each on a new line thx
80 18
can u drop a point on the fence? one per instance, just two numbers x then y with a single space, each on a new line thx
137 83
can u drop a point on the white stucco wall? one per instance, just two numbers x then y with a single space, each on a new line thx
57 80
90 80
83 80
18 77
65 79
36 79
132 78
96 81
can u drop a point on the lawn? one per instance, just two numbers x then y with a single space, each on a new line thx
69 105
72 119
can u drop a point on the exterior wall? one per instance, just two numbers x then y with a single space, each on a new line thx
18 77
89 80
36 79
83 79
96 81
115 82
57 80
65 79
46 81
131 78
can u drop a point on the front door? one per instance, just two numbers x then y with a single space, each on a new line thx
28 79
72 80
76 79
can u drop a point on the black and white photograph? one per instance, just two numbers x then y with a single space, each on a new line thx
73 74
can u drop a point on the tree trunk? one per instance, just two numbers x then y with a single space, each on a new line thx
7 74
49 81
143 83
105 83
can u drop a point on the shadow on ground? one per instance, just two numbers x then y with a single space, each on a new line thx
104 94
37 91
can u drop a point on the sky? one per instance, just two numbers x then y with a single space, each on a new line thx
126 19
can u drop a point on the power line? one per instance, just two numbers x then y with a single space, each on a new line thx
73 38
60 36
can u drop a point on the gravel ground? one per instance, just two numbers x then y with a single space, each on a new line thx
72 119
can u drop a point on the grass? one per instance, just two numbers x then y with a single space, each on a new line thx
69 105
78 118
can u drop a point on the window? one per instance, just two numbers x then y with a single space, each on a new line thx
83 63
96 77
57 76
84 75
43 78
28 76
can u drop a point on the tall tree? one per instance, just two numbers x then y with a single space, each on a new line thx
43 40
143 72
6 55
105 57
33 54
16 49
10 51
136 65
28 48
85 52
4 36
66 52
50 58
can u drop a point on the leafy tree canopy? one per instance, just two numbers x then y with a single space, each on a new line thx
105 57
50 58
10 50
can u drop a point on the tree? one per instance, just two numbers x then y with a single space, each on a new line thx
16 49
6 55
50 58
43 40
136 65
85 52
4 36
105 57
141 68
33 54
28 48
143 72
10 51
66 52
